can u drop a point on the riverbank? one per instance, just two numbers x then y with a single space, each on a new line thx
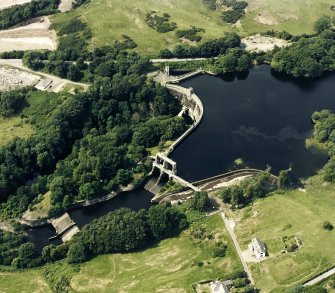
189 100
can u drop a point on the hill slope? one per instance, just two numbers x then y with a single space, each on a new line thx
110 19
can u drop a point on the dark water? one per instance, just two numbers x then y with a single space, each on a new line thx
135 200
261 118
40 236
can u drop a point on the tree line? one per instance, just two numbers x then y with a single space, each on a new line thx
310 56
125 230
92 142
18 13
324 133
257 187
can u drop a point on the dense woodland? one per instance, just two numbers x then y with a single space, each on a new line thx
92 142
125 230
310 56
18 13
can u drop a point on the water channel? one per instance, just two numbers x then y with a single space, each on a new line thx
260 118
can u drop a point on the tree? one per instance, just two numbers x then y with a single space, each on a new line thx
77 253
200 201
27 257
322 24
74 73
12 102
219 249
285 178
164 221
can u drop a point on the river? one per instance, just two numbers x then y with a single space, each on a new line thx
261 118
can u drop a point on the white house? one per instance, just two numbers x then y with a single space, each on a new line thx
258 248
219 287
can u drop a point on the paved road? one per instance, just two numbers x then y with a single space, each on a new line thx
320 278
237 246
59 83
163 60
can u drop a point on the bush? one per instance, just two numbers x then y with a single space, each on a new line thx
190 34
72 26
160 23
219 249
293 248
327 226
236 12
240 282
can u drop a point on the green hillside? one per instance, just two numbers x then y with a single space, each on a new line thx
109 20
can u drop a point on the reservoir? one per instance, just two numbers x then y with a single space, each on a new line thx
260 118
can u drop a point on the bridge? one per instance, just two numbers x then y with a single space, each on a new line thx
169 167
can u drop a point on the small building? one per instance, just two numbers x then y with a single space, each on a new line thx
219 287
258 248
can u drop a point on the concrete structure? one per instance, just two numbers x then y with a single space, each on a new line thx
65 227
192 105
188 99
167 166
219 287
166 162
167 70
257 247
320 278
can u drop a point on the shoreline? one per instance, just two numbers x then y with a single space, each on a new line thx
45 222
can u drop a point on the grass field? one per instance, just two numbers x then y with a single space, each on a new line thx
24 282
13 127
296 16
292 213
109 20
167 267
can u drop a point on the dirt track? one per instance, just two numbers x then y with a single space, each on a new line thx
32 35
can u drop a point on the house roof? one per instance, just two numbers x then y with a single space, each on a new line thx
219 287
259 245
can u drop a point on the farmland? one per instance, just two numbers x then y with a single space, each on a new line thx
294 213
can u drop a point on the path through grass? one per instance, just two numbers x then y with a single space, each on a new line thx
292 213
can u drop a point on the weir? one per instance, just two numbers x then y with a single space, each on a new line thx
65 227
211 184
